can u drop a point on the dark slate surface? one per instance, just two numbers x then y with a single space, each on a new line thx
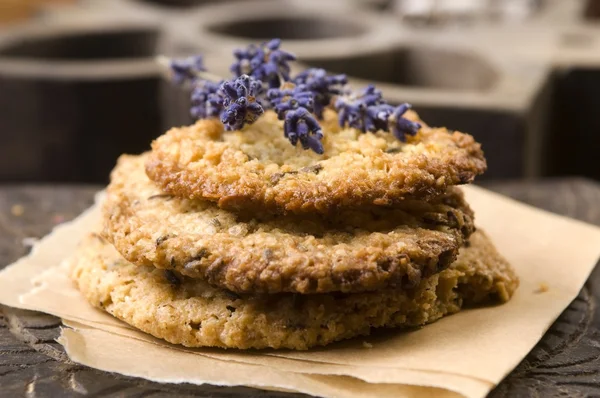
564 364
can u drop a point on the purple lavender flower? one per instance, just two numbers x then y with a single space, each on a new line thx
271 64
352 109
243 58
288 97
266 63
240 102
368 111
206 99
293 105
401 126
323 86
377 117
187 69
300 125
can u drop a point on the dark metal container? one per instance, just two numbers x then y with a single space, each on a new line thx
73 99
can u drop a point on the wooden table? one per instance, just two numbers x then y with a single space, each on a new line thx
565 363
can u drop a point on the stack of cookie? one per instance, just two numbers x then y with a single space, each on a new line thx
237 239
226 235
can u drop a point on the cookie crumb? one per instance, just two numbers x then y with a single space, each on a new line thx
315 168
17 210
367 345
542 288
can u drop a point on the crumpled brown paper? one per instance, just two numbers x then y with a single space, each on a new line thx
467 353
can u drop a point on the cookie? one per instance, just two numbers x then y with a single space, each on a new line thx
349 251
257 168
187 311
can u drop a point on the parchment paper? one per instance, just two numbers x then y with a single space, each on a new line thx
468 353
158 362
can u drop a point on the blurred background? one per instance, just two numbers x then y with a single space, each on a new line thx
79 84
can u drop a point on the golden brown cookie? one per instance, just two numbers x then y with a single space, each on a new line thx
257 169
349 251
187 311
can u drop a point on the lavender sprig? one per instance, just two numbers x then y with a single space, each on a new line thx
290 97
206 99
267 63
298 125
376 117
294 105
187 69
401 127
243 58
352 109
368 112
240 103
323 86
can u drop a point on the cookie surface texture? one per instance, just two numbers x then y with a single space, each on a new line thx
258 169
349 251
187 311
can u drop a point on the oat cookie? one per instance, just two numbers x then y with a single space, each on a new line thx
349 251
258 169
187 311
